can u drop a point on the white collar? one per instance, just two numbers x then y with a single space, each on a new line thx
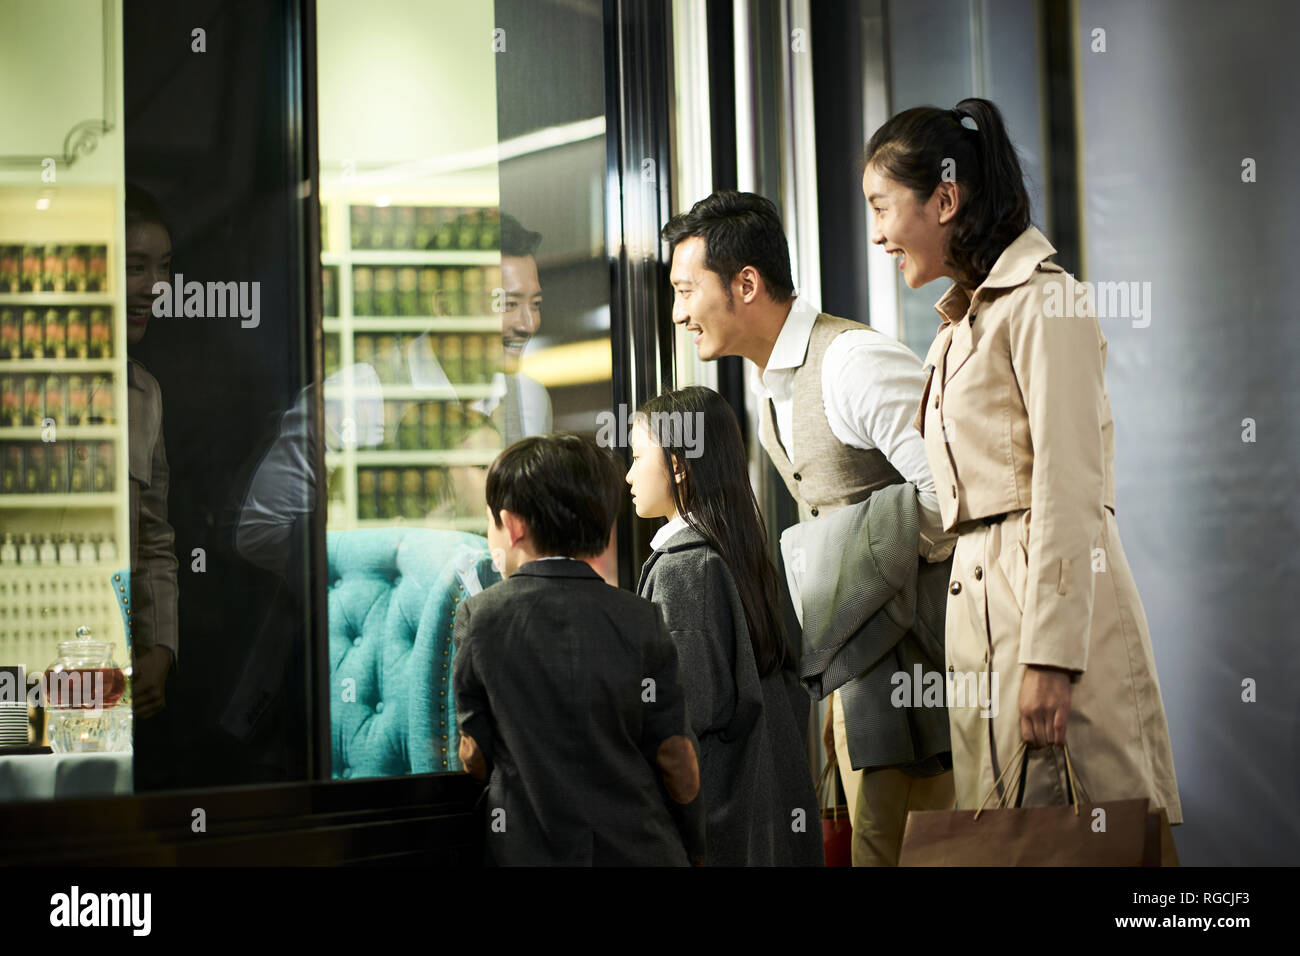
791 346
667 531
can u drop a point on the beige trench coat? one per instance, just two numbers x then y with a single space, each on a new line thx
1017 422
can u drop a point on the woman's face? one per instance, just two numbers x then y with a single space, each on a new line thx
148 260
915 232
652 490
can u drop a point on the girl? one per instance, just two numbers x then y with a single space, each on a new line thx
711 577
1016 422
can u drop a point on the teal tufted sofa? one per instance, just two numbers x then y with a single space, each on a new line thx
393 595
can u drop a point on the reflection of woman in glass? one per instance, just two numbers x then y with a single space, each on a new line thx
154 637
1017 422
711 577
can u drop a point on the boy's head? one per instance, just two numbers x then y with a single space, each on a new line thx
555 495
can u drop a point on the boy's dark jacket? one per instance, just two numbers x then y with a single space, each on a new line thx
754 770
550 680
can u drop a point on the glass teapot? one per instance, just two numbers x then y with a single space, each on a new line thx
87 698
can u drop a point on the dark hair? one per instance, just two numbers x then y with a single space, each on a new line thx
721 505
738 229
564 485
912 147
516 240
142 208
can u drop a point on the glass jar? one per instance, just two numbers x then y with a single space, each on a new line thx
87 699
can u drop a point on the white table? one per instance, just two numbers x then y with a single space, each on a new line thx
63 776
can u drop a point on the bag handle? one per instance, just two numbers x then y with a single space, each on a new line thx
823 781
1073 789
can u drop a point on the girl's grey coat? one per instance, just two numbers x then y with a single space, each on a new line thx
753 763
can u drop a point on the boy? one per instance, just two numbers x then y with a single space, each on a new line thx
566 688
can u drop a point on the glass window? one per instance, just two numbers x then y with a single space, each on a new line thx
66 495
466 301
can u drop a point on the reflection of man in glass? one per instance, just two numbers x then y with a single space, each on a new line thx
518 405
153 558
284 487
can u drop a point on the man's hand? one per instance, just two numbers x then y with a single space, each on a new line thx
148 679
1044 705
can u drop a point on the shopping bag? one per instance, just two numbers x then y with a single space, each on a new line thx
837 828
1160 849
1079 833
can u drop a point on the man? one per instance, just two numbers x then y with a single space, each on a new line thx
838 403
518 405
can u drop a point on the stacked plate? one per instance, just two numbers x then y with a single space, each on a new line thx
13 712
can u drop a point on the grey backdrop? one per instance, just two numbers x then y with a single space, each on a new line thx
1184 92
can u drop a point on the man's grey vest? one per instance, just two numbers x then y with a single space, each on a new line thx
825 473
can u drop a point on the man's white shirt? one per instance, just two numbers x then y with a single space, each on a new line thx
871 388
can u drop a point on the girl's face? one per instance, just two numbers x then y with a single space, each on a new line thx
652 490
915 232
148 260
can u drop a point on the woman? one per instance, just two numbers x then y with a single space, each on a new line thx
711 577
154 636
1019 435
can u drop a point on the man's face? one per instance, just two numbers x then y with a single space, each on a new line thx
148 260
522 304
700 302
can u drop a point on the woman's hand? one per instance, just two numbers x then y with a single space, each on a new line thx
149 680
1044 705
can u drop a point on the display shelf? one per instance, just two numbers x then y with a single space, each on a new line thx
64 433
349 463
415 393
411 257
451 458
58 298
415 323
70 500
89 570
69 365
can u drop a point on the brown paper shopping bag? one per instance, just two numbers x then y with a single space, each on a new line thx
1074 834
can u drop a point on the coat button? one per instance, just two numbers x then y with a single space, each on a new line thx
979 573
814 512
798 477
954 588
954 491
936 399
